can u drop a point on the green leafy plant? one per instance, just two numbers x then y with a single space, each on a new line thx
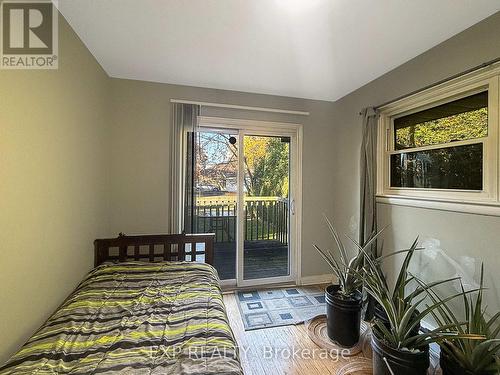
476 356
401 306
345 268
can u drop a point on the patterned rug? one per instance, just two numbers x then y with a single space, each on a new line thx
280 307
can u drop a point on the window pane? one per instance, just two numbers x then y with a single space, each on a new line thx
458 167
459 120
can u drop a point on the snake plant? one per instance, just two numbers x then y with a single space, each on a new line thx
345 268
475 356
401 306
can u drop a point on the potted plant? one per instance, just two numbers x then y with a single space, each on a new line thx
343 300
466 356
397 347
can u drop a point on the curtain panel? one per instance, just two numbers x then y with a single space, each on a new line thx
368 205
368 168
182 164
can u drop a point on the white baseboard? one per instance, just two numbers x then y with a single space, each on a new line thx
326 278
227 284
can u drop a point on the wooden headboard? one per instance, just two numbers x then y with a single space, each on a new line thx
156 247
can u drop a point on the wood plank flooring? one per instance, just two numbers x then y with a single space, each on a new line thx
254 348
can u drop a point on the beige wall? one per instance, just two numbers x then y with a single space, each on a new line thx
460 234
140 153
52 185
83 155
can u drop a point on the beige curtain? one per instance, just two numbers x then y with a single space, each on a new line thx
182 158
368 205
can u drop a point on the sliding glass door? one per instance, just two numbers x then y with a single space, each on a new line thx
244 181
266 185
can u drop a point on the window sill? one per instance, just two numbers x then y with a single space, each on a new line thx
477 208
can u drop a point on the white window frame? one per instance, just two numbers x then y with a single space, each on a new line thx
486 201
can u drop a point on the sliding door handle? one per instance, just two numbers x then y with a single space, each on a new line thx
292 207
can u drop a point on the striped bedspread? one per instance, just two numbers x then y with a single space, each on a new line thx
136 318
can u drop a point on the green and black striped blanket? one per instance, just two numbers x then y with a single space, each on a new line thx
136 318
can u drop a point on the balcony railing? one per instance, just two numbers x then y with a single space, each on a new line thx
266 218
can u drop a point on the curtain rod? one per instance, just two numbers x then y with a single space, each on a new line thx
480 66
243 107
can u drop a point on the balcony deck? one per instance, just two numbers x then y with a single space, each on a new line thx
262 258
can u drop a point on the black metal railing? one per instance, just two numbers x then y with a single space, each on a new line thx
266 218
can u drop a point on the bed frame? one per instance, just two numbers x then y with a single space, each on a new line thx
158 247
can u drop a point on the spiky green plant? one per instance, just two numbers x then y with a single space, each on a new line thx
345 268
476 356
401 307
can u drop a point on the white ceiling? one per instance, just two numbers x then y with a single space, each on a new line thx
315 49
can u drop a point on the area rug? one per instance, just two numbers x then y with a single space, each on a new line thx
280 307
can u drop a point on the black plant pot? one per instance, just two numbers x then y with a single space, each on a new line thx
343 316
381 315
400 361
451 367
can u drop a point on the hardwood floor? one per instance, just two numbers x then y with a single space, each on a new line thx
255 348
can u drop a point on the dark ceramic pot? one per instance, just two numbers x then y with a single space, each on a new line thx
343 316
400 361
451 367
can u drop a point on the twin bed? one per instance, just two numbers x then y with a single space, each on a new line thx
148 307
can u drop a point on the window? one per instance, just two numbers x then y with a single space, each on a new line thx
441 144
426 154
